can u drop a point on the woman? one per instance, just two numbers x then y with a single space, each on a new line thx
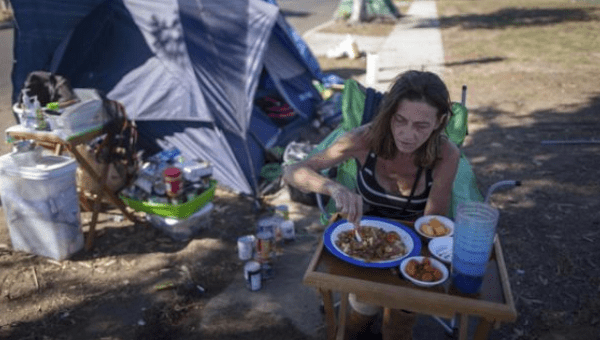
406 165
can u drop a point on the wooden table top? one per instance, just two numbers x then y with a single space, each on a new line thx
387 288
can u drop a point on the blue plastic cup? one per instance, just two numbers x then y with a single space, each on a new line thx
474 230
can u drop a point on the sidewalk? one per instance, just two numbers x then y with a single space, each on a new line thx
415 43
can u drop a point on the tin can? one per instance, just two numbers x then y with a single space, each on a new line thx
173 181
267 224
253 276
288 231
264 246
245 247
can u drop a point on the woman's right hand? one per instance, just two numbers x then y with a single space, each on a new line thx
348 203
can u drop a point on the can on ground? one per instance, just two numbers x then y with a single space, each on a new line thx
264 245
253 275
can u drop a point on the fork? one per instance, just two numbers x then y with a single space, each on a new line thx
357 234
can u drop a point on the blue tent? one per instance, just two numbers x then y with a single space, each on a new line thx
188 71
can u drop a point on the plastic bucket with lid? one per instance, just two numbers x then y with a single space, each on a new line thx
41 204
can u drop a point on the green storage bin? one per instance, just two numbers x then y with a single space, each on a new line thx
179 211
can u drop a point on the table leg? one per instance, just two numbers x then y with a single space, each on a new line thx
111 196
483 329
341 331
58 149
89 244
463 329
329 313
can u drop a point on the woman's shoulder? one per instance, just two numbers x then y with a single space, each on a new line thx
449 153
356 141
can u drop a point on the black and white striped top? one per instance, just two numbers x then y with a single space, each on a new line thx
386 205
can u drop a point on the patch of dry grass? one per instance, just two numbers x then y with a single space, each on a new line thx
528 53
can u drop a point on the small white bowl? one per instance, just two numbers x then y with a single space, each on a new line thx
434 263
425 220
441 248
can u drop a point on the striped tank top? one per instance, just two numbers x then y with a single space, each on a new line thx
382 204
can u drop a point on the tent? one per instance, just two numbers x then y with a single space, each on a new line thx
189 72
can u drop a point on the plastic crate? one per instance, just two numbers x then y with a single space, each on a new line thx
179 211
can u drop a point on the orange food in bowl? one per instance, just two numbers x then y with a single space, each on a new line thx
423 271
434 228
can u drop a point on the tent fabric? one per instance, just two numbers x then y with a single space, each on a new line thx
187 71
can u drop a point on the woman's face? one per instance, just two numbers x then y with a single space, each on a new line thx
412 124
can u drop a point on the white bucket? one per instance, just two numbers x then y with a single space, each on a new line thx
41 204
245 246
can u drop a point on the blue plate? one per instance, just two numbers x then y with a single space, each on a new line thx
409 237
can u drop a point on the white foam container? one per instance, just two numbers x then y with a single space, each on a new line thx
183 229
41 204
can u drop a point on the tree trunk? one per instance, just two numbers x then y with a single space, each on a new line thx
358 11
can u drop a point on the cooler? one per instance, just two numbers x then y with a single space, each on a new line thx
40 201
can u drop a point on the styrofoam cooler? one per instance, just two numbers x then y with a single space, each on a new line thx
183 229
40 201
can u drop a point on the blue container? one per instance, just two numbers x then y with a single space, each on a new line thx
475 227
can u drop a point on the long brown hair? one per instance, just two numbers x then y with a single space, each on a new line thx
414 86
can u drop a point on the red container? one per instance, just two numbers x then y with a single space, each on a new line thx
173 181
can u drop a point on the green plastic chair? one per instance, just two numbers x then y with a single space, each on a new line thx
353 108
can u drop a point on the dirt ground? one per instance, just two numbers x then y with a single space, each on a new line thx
536 120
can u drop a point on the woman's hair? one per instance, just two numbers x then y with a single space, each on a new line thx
420 86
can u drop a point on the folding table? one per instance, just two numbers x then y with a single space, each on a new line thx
384 287
51 140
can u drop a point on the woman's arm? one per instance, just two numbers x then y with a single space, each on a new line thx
305 175
443 180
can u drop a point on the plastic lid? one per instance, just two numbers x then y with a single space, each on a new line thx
47 166
172 172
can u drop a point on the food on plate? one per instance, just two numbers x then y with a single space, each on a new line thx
377 244
434 228
423 271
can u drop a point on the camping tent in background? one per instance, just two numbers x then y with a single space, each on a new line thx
188 72
374 9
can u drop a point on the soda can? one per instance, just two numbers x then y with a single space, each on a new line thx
264 246
253 276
